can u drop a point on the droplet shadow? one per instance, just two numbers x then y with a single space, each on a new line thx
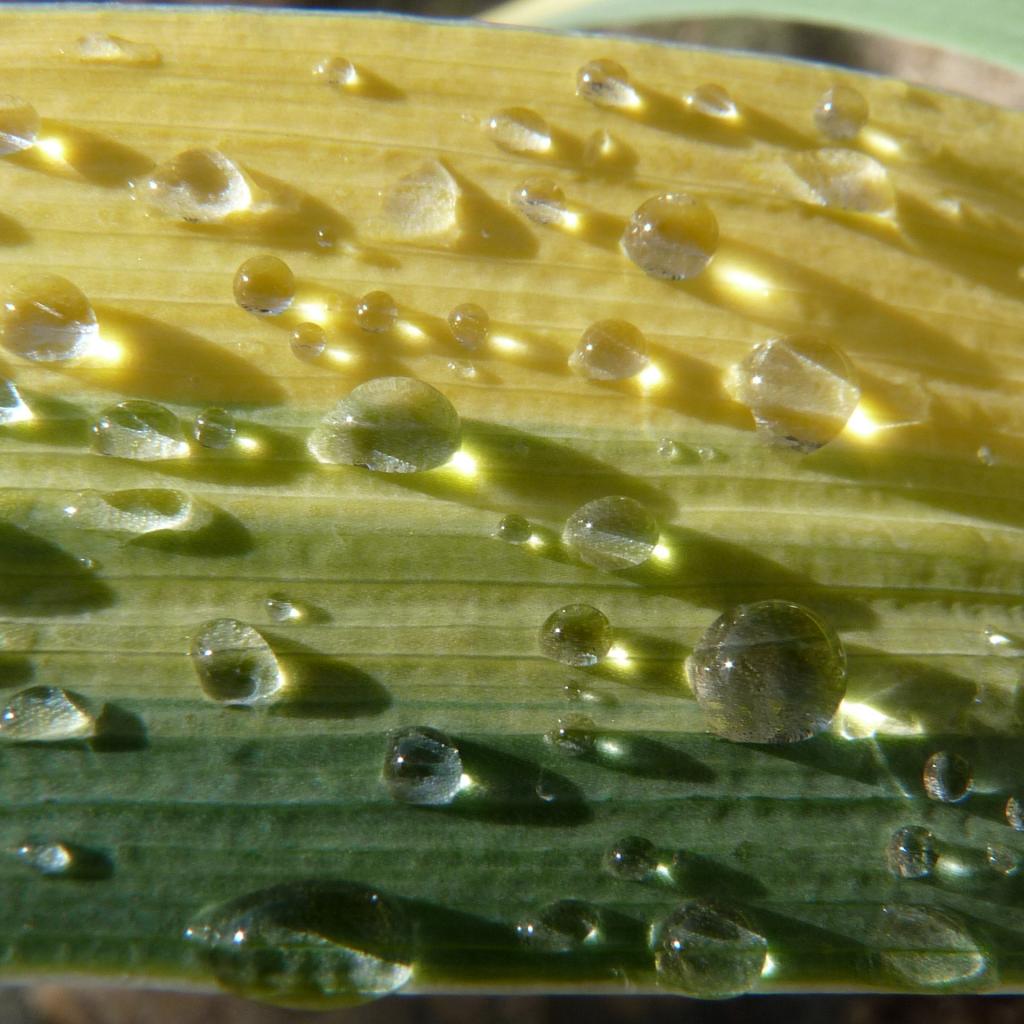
15 670
697 875
487 228
87 864
119 730
644 758
54 421
222 536
371 86
847 759
12 232
652 663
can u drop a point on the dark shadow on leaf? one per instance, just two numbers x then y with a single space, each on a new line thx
119 730
12 232
653 664
487 228
223 536
696 875
54 421
371 86
644 758
15 670
88 864
855 760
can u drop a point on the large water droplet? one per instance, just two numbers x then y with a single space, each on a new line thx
540 200
101 48
136 511
469 324
947 777
264 285
308 341
200 186
519 130
631 858
577 635
47 319
611 533
13 408
44 714
513 529
768 672
708 950
672 236
610 350
1014 812
841 113
842 179
561 927
215 428
801 391
235 665
422 766
376 312
336 71
307 944
139 430
606 83
391 425
911 852
422 206
712 101
19 125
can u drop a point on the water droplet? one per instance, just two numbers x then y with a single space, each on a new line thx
574 735
712 101
801 391
708 951
422 766
13 408
422 206
201 186
632 859
671 236
576 694
307 944
280 609
309 341
668 449
841 113
19 124
136 511
519 130
947 777
929 949
215 428
376 312
47 319
51 859
561 927
139 430
842 179
461 369
514 529
264 285
768 672
911 852
985 455
469 324
610 350
391 425
235 665
611 533
100 48
336 71
606 84
44 714
540 200
1003 860
1014 812
577 635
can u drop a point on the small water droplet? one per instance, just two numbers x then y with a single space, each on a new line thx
137 511
947 777
928 948
513 529
712 101
576 694
606 83
307 944
708 950
632 859
671 236
707 454
911 852
280 609
101 48
1014 812
308 341
336 71
985 455
668 449
376 312
561 927
540 200
611 533
235 665
422 206
264 285
610 350
843 179
390 425
800 391
19 124
574 735
422 766
47 319
201 186
139 430
45 714
461 369
1003 860
578 635
519 130
469 324
841 113
215 428
50 859
13 408
768 672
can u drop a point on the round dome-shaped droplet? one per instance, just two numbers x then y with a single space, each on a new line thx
44 714
708 950
235 665
671 236
376 312
391 425
280 609
712 101
800 391
632 859
768 672
422 766
561 927
13 408
519 130
19 124
47 319
513 529
335 71
606 83
911 852
201 186
610 350
540 200
1014 813
577 635
575 735
215 428
308 341
469 324
947 777
842 179
611 533
264 285
307 944
139 430
841 113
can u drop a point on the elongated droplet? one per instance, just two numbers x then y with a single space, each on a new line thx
561 927
671 236
632 859
606 83
264 285
215 428
52 859
1014 813
519 130
540 200
578 635
911 852
422 206
422 766
708 950
307 944
768 672
47 319
947 777
841 113
336 71
513 529
136 511
201 186
281 609
19 124
390 425
13 408
469 324
308 341
800 391
235 665
101 48
611 533
139 430
42 714
842 179
610 350
376 312
712 101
